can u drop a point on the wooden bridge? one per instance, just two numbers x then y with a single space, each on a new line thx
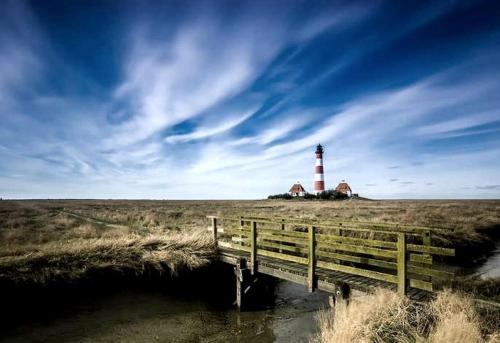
330 256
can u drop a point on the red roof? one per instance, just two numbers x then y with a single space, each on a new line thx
297 188
343 187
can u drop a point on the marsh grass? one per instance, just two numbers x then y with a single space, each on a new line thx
66 234
386 317
73 259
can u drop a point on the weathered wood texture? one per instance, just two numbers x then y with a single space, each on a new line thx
315 254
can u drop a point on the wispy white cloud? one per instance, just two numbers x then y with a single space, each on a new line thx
470 120
172 82
174 79
221 107
371 132
273 132
204 132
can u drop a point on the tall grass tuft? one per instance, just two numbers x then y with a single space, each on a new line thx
73 259
386 317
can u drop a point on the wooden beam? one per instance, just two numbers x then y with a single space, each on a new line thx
280 247
431 250
358 249
424 285
253 247
286 234
358 271
285 257
352 240
300 279
214 230
357 259
239 280
234 246
389 228
401 263
311 259
421 258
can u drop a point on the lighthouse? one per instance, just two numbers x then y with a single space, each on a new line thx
319 179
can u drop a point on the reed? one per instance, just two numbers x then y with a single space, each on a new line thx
386 317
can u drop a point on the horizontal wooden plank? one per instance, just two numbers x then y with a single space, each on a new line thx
486 304
352 240
358 249
355 226
237 239
326 286
358 259
285 257
233 246
440 274
300 279
357 271
281 238
235 232
228 259
430 250
371 226
386 264
261 243
424 285
419 258
283 232
416 230
235 229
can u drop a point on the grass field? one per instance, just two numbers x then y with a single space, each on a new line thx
47 242
58 239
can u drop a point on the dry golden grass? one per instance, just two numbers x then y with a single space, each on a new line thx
35 226
386 317
72 259
46 241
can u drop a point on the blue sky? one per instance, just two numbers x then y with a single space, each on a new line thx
227 99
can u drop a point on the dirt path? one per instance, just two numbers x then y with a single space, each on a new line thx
93 220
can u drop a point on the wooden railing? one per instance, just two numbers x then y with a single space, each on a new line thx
396 255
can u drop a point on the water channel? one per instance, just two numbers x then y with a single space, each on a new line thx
145 314
181 313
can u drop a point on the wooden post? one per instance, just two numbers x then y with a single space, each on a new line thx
338 232
311 269
242 224
426 238
401 263
282 229
427 241
253 246
239 280
341 298
214 229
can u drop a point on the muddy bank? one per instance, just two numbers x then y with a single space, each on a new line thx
194 307
32 300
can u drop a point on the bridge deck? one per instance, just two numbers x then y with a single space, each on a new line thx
326 279
326 256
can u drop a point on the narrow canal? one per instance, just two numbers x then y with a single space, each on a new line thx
145 314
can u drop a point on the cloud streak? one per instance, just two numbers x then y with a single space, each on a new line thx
218 101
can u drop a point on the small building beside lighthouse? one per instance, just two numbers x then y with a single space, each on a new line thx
343 188
297 190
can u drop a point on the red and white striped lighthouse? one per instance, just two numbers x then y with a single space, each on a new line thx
319 179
